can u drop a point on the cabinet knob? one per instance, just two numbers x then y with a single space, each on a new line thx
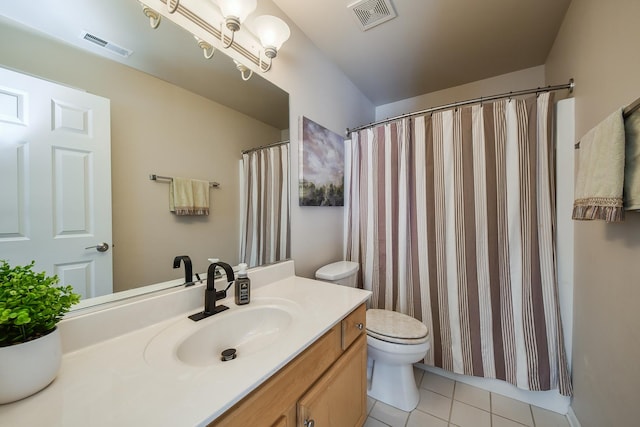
359 326
309 423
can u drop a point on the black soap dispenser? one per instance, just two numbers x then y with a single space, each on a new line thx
243 285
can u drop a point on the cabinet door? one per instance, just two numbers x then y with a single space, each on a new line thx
339 397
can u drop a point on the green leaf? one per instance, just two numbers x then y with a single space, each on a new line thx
30 303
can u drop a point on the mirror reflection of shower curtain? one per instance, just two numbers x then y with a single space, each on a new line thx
265 206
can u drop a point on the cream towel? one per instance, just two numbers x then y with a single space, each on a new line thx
189 196
632 162
200 197
600 176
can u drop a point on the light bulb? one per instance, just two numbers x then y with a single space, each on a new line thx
272 32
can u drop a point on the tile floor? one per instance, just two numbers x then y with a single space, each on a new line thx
448 403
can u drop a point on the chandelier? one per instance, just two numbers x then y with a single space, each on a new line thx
271 31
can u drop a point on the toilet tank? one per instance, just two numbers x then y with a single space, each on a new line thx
341 273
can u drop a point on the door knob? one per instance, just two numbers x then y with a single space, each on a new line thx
102 247
309 423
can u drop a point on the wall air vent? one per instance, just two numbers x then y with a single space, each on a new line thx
112 47
369 13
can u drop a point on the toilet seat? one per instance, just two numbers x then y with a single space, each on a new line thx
395 327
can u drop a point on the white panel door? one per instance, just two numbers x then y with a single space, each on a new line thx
55 181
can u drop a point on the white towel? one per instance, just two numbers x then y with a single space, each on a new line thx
632 162
600 176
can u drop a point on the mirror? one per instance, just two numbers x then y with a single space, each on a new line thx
173 113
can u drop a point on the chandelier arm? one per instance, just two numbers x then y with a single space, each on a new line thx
246 77
208 52
154 17
224 44
171 9
260 65
154 22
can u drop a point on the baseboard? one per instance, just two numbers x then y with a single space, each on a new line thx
573 420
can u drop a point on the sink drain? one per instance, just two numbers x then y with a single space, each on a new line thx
228 354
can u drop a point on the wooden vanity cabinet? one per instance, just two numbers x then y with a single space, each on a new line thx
339 398
326 383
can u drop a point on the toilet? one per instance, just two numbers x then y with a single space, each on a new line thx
395 342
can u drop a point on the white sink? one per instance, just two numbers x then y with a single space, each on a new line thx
249 330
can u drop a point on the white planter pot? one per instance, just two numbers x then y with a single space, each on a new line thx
29 367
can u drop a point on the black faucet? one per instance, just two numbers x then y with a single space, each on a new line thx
188 272
210 293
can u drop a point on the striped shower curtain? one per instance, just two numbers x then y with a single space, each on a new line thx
265 206
451 217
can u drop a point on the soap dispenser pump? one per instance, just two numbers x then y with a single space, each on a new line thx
243 285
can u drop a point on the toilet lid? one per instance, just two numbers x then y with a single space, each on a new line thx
395 327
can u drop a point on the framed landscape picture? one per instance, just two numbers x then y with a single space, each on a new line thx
321 169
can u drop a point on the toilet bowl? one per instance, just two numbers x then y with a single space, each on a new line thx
395 342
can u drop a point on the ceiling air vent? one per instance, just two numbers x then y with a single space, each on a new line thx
118 50
369 13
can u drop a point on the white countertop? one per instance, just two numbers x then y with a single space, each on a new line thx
110 383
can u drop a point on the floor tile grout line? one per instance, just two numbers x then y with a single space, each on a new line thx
533 419
453 395
491 409
406 422
473 406
380 421
437 392
430 414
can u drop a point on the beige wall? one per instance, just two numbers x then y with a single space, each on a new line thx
156 128
518 80
320 91
598 46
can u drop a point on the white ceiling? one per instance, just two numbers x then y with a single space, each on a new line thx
432 44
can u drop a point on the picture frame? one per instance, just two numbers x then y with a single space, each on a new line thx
321 165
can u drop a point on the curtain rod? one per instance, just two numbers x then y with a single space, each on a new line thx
568 86
275 144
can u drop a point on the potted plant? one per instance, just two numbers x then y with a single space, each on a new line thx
31 304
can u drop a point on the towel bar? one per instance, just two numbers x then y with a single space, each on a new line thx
628 110
154 177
